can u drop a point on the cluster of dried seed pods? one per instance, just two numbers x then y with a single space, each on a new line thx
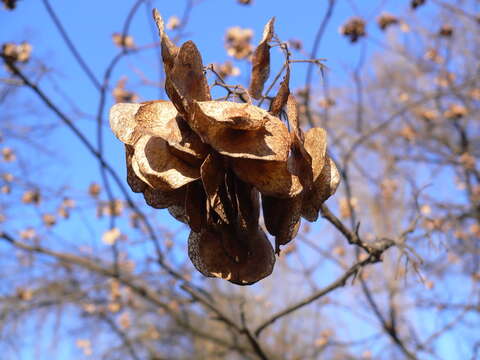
212 163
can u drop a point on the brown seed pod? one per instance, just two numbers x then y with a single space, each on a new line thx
316 146
208 162
269 177
160 118
186 80
213 174
300 162
229 115
248 202
159 168
159 199
207 253
136 184
241 130
169 50
196 206
282 218
324 186
261 62
280 100
178 212
122 121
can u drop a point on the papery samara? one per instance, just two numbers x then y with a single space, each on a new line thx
214 163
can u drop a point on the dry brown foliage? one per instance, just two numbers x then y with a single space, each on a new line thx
212 162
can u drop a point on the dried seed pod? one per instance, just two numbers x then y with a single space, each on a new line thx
248 202
169 49
161 169
269 177
159 199
225 126
136 184
208 161
212 173
324 186
152 118
137 172
282 218
280 100
186 80
207 253
316 146
122 122
261 62
300 162
178 212
160 118
196 206
229 115
186 144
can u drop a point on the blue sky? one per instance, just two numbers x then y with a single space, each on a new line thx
91 24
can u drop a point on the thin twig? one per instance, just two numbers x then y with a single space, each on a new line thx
71 46
313 55
341 281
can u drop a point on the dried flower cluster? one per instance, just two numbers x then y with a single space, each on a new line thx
237 42
446 31
455 111
17 53
31 197
8 155
173 22
433 55
123 41
385 20
354 29
416 3
214 163
10 4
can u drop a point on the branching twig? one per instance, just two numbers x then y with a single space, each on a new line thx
71 46
341 281
313 55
